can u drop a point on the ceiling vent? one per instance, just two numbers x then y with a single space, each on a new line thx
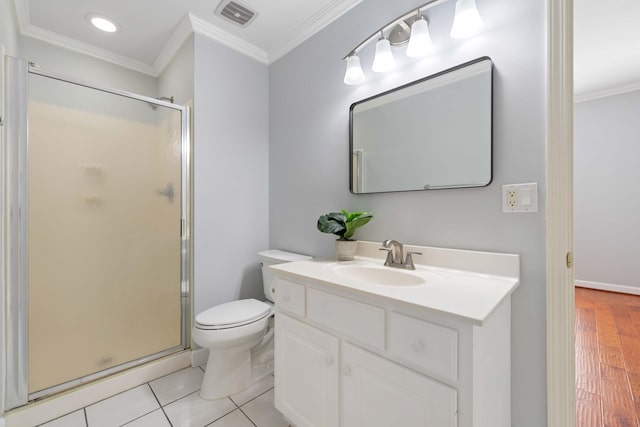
236 12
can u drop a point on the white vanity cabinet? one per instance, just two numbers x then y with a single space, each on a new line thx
349 354
307 366
379 393
323 380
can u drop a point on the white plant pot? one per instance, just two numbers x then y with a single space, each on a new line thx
346 249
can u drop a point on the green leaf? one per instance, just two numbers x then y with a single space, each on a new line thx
329 224
338 217
359 219
343 223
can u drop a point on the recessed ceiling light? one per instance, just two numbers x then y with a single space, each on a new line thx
101 22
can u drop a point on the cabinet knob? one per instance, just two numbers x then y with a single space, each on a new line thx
417 346
346 371
273 290
328 360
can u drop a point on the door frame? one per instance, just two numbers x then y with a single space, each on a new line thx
560 290
15 215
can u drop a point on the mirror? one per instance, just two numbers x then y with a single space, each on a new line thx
433 133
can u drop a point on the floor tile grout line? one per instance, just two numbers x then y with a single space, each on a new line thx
171 373
234 402
175 400
221 417
62 416
161 407
117 394
144 415
248 417
254 398
180 398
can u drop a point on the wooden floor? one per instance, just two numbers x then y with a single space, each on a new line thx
607 359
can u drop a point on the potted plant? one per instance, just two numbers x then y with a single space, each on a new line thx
344 224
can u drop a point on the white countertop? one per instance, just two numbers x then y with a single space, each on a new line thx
466 294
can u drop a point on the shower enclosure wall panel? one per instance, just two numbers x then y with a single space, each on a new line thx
106 230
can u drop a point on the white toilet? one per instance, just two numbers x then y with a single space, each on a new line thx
239 336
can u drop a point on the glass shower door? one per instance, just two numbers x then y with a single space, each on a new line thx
105 230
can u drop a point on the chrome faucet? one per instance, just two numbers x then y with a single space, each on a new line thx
394 249
395 255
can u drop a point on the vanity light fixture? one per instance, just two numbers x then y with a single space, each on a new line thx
420 43
384 60
467 22
354 74
102 22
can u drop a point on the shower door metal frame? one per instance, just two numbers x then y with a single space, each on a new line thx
16 217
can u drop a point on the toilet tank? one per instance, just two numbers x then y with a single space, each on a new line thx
272 257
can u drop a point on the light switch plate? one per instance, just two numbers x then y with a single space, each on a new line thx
520 197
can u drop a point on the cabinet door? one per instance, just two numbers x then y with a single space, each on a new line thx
306 373
380 393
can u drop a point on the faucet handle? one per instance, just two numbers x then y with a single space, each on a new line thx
408 262
389 259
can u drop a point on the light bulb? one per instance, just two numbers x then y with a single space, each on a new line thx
467 21
354 74
384 60
420 42
102 22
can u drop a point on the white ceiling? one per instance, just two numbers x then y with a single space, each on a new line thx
606 37
151 30
606 47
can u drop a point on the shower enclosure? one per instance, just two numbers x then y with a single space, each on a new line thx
96 215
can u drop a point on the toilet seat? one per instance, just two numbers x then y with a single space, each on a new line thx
233 314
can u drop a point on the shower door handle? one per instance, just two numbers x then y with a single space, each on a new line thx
167 192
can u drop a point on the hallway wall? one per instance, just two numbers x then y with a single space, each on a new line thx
606 198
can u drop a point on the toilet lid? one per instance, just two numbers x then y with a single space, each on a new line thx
233 313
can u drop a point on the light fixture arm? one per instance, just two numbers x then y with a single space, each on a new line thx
375 36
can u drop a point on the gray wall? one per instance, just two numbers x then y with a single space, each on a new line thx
606 200
8 28
177 78
83 67
231 174
309 158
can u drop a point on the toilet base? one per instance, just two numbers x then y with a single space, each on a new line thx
226 374
230 372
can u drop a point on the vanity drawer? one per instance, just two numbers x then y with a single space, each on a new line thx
288 296
432 347
354 319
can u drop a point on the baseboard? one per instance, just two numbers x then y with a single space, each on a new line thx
199 357
40 412
623 289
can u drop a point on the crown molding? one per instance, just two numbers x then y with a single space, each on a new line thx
188 25
182 32
603 93
87 49
311 26
204 28
24 15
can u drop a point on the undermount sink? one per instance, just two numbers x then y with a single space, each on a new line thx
379 275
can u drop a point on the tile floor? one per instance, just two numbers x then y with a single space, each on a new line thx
173 401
